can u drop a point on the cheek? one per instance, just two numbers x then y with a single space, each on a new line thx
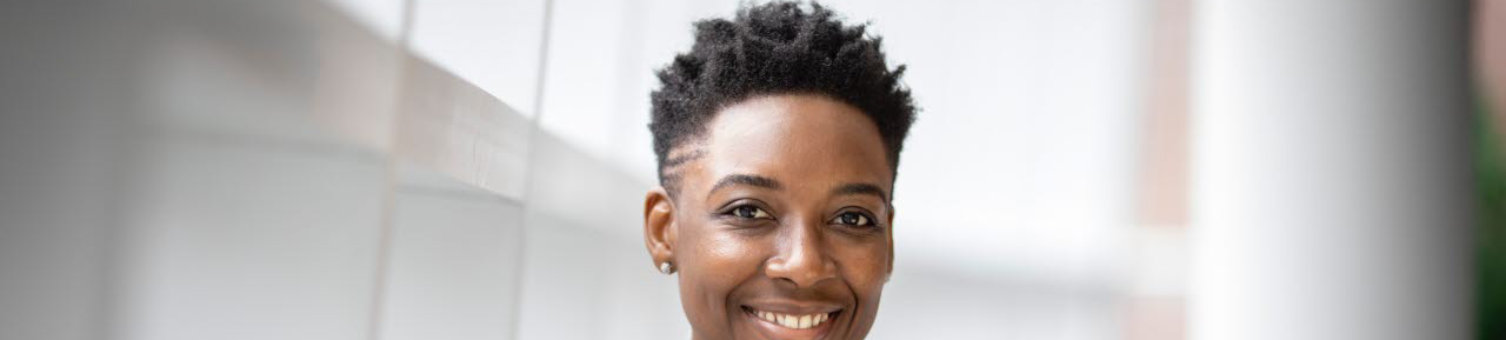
718 262
865 268
731 252
864 265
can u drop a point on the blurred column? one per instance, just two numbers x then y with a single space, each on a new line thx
58 151
1156 306
1331 179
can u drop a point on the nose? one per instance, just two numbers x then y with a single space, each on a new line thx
801 257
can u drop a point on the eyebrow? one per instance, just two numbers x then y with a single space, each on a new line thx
744 179
861 189
770 183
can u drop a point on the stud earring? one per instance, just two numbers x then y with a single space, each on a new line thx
666 268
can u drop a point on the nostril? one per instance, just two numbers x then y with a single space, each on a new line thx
801 261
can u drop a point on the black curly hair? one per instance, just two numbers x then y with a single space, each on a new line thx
776 48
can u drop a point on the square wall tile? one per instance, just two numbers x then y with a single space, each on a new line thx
454 263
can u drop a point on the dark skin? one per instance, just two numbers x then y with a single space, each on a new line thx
782 214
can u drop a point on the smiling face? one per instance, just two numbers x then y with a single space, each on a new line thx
781 225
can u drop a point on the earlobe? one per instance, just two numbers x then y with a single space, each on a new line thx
659 226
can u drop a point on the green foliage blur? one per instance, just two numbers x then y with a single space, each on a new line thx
1490 179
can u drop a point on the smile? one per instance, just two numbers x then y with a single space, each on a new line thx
792 321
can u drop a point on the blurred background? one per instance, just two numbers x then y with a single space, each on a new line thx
449 169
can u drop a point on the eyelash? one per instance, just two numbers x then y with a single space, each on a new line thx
861 220
755 212
751 212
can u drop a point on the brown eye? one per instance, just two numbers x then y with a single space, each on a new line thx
749 212
852 219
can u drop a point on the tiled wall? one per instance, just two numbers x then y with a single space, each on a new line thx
304 170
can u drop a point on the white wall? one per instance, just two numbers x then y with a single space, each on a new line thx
257 170
434 169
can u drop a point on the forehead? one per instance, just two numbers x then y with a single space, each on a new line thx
804 140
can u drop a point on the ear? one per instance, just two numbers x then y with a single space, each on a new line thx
659 226
891 244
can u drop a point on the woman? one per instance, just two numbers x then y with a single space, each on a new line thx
777 138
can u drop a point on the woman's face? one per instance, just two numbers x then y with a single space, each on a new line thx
781 226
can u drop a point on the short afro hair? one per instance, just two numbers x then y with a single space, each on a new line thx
776 48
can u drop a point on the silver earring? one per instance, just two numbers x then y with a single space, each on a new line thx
666 268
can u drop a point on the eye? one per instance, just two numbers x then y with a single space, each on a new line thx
852 219
750 212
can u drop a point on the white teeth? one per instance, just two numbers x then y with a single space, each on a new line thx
794 321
